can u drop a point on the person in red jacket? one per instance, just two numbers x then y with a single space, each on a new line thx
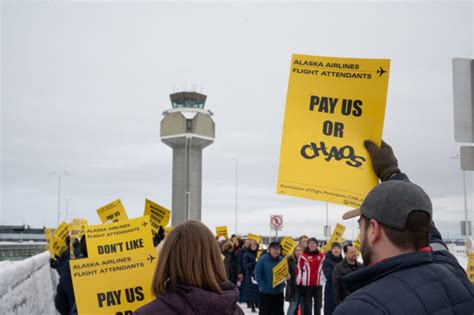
308 277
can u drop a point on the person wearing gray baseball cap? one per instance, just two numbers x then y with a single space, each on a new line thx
409 269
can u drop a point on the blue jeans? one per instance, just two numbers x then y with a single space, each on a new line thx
294 305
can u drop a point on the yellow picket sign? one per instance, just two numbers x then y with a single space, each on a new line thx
57 246
287 246
48 235
128 236
113 284
77 228
280 272
112 212
222 231
356 244
159 215
470 268
257 238
332 106
62 231
259 253
168 230
336 236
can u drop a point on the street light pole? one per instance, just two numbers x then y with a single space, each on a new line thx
59 200
466 241
466 224
236 191
59 193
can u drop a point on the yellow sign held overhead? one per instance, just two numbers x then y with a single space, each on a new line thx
280 272
112 212
120 237
159 216
257 238
335 237
113 284
62 231
332 106
222 231
287 246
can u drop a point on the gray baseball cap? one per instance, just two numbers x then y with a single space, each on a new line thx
391 202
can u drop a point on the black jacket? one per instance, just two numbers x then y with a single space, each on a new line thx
64 300
328 267
340 270
290 291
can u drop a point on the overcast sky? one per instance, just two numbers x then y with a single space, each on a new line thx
84 85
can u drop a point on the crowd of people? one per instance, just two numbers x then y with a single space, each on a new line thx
407 267
251 270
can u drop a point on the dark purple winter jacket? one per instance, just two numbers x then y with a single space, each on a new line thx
194 301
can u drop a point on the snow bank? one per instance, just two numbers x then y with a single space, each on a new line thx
28 286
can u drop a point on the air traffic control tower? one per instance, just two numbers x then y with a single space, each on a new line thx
187 128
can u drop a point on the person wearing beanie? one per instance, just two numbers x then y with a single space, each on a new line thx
271 298
308 277
333 257
409 269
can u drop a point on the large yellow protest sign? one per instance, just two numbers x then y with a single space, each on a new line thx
336 236
132 236
159 216
222 231
280 272
112 212
332 106
287 246
62 231
116 284
254 237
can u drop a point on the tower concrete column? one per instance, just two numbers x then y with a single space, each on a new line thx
187 128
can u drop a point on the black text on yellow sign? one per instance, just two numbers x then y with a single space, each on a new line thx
332 106
112 212
116 284
288 246
126 236
280 272
159 215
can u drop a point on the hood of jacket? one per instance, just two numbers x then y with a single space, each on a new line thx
192 300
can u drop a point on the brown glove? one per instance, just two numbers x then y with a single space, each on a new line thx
383 160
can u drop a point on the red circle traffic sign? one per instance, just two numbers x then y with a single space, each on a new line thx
276 221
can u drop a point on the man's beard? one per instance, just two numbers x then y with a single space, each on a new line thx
366 251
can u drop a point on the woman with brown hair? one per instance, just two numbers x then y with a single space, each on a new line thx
190 276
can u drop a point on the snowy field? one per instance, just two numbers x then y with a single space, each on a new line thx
28 286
